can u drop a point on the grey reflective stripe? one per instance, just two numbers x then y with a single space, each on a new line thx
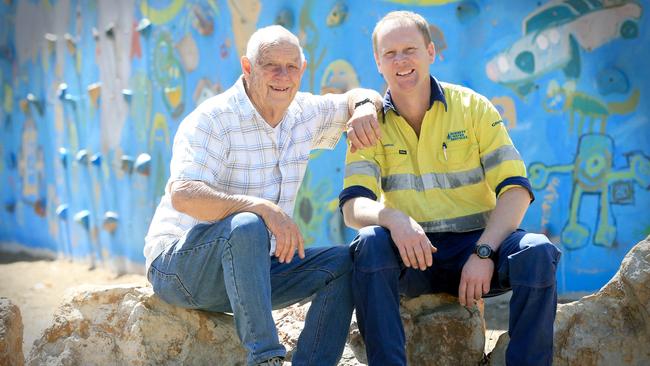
494 158
457 224
398 182
363 168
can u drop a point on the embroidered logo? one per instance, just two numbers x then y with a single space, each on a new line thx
497 122
457 135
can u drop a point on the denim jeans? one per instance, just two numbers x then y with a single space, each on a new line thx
226 267
525 263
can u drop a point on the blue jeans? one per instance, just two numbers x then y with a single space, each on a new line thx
226 267
525 263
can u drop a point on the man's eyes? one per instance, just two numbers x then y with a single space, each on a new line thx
408 51
271 66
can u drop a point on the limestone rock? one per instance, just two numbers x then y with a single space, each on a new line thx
438 331
11 334
290 322
610 327
128 325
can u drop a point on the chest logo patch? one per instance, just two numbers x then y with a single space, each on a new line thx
457 135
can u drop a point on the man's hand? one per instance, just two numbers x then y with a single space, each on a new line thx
413 245
475 280
287 235
363 128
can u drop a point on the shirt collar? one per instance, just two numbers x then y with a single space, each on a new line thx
437 94
246 108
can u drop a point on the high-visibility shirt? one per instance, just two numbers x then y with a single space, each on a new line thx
449 178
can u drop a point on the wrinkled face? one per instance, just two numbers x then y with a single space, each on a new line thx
274 78
403 57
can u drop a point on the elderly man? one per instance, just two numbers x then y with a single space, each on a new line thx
448 174
222 238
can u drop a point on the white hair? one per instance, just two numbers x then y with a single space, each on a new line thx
269 35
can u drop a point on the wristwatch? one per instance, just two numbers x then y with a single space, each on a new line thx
484 251
360 103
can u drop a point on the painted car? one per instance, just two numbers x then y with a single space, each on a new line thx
553 35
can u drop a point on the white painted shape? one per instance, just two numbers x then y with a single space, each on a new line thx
542 42
502 62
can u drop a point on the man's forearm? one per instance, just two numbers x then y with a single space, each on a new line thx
506 217
361 211
357 95
204 203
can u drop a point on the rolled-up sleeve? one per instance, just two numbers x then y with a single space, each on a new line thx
199 150
502 164
362 176
332 110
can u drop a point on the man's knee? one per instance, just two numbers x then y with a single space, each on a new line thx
535 265
373 250
341 262
248 231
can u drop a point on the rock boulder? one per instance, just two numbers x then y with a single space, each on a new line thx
438 331
128 325
610 327
11 334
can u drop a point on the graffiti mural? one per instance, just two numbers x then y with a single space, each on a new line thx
593 173
92 92
589 109
554 36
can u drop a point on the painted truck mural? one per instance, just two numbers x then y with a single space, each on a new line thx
92 92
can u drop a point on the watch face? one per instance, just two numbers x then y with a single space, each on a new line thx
483 251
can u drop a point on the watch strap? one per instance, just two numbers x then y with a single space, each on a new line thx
362 102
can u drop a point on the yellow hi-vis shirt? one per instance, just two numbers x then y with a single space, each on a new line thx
448 180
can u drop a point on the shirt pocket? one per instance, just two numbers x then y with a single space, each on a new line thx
394 161
458 157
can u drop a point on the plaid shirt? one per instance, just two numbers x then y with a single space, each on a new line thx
227 144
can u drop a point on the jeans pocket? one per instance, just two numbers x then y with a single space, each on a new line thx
170 288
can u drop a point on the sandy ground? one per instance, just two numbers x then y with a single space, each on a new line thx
38 287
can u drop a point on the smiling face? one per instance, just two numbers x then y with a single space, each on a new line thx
403 57
273 78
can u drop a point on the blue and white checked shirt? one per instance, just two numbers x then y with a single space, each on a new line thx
226 143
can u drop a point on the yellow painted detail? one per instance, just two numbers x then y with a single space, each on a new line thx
9 99
162 15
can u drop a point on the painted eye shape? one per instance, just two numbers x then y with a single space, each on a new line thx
526 62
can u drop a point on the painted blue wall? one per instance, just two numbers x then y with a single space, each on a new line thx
91 96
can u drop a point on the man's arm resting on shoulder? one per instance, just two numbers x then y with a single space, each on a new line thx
204 203
363 127
414 247
507 216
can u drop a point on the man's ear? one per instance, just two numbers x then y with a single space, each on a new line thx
245 65
303 68
431 50
376 61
